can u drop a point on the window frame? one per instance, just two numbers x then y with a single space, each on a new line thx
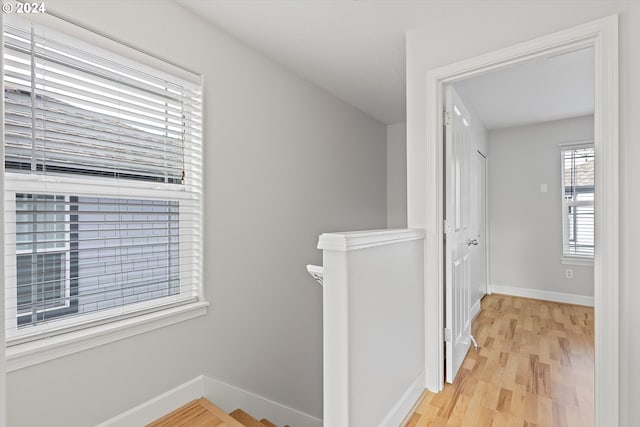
569 258
64 293
70 305
91 187
70 338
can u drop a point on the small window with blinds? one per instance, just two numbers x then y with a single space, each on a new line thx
102 160
578 200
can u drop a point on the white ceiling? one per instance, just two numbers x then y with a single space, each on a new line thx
542 90
355 49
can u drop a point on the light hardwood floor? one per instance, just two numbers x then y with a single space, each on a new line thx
534 368
202 413
197 413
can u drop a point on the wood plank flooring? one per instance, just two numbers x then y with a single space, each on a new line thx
202 413
534 368
197 413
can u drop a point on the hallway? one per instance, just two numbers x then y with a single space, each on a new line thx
534 368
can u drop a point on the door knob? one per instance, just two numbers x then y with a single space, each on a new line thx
473 242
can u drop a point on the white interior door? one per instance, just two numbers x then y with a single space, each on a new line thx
479 228
457 214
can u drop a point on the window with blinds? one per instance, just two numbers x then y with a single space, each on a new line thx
578 200
102 202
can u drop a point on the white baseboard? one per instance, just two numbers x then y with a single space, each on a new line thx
401 411
475 309
543 295
220 394
229 398
155 408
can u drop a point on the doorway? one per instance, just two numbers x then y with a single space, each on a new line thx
601 35
528 117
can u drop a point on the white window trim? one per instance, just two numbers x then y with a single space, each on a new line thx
88 186
586 261
30 353
66 279
11 284
578 144
568 259
39 351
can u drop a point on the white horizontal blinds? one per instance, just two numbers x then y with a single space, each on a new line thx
87 254
103 185
69 110
578 191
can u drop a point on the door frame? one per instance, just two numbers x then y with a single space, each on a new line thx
602 35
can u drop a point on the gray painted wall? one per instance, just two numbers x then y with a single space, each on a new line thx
284 161
397 175
526 224
385 295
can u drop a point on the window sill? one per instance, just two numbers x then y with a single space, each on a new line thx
577 261
35 352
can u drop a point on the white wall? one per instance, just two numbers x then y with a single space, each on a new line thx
386 352
283 162
526 224
482 27
397 175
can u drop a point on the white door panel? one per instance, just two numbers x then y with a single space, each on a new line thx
478 228
457 238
